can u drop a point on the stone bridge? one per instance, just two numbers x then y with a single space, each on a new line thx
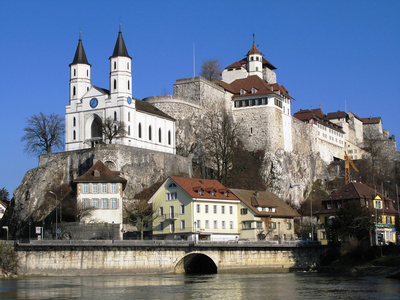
124 257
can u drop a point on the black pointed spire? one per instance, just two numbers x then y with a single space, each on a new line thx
80 55
120 48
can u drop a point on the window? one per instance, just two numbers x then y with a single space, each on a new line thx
113 188
140 130
161 226
150 133
169 137
182 224
127 66
172 227
231 210
115 84
246 225
328 206
223 225
231 225
113 203
172 196
288 226
198 208
129 130
259 224
129 85
74 122
73 91
104 187
74 72
206 208
272 225
74 135
159 135
172 185
215 224
85 203
104 203
115 116
129 116
207 224
378 204
366 203
223 209
86 188
215 209
115 65
95 203
243 211
182 211
198 224
94 188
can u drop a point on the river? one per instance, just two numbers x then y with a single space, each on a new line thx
216 286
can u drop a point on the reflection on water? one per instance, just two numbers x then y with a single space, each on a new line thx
216 286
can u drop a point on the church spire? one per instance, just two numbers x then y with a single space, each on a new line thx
80 55
120 48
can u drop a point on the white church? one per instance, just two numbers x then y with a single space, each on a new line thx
146 126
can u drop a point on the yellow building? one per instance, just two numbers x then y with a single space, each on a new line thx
195 209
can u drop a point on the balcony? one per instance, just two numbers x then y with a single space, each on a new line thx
169 216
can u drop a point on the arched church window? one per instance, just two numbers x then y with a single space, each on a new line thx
159 135
252 58
74 72
140 130
73 91
115 116
74 122
150 133
169 137
74 135
115 65
115 84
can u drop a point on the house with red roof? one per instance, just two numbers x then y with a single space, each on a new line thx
195 209
3 207
99 196
384 210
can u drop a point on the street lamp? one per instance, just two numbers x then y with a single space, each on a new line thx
56 211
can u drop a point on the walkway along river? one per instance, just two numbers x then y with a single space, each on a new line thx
123 257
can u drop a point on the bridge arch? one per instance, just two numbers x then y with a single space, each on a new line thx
196 263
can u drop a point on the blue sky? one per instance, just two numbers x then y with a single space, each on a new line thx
329 54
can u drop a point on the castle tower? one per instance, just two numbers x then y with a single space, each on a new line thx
254 61
120 70
79 82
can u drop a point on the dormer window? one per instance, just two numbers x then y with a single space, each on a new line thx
96 173
253 90
242 92
172 185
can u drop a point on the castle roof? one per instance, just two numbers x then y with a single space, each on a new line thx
253 200
242 63
204 188
253 50
120 48
247 84
306 115
336 115
80 55
100 173
371 120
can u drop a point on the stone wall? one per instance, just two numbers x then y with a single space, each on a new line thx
159 257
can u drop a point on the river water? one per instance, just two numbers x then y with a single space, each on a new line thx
216 286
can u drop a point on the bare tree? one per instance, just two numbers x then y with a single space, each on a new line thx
82 211
112 129
210 69
43 134
140 213
218 138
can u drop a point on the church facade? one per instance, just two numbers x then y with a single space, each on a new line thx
90 107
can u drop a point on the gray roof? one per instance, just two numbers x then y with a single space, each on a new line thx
120 48
80 55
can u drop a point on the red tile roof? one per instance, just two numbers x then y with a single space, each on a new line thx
253 50
100 173
193 186
336 115
316 114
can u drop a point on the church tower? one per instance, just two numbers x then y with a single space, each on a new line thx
254 61
79 82
120 70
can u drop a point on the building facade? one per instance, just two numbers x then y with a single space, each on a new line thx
90 106
263 216
99 196
195 209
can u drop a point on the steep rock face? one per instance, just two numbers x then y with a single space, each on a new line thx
290 175
142 168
